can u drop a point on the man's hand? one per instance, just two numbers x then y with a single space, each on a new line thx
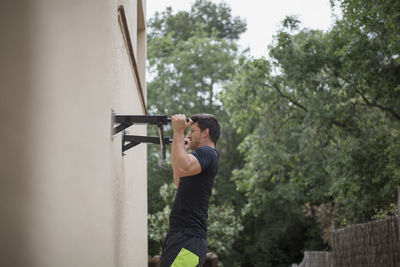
179 123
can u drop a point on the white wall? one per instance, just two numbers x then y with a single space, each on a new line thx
68 197
130 171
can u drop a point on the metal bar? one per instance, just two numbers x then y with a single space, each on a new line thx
128 146
162 143
142 119
121 127
134 140
146 139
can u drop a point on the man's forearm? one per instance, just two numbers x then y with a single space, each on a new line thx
179 156
176 180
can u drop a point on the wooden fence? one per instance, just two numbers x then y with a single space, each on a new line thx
373 244
316 259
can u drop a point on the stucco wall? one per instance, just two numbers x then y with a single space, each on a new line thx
130 171
69 198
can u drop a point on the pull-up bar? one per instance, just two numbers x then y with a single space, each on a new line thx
129 141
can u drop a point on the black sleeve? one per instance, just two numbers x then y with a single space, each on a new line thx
204 156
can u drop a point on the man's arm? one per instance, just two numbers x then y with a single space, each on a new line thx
176 180
183 164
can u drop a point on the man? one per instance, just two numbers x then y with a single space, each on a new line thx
194 173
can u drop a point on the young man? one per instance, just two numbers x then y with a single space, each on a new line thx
194 173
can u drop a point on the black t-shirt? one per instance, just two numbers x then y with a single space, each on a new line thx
190 208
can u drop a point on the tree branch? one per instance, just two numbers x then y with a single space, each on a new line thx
391 111
367 102
289 98
276 131
343 126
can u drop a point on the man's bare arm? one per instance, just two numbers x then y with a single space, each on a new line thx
176 180
183 164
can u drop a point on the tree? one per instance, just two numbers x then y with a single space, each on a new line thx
204 15
321 124
274 179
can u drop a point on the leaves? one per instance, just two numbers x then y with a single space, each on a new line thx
321 122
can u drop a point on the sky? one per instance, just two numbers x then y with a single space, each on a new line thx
263 17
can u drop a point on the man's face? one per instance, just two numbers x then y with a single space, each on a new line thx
194 137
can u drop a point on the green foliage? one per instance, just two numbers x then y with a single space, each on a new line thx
159 172
158 221
204 15
385 213
370 53
278 235
223 229
325 133
187 80
321 118
190 54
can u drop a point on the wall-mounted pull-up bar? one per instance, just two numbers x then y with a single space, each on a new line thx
129 141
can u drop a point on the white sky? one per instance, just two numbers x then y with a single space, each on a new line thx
263 17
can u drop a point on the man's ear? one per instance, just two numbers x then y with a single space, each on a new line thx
206 132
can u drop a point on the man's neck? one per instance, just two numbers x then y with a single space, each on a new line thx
207 143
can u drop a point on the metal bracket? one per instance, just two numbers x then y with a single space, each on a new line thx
129 141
